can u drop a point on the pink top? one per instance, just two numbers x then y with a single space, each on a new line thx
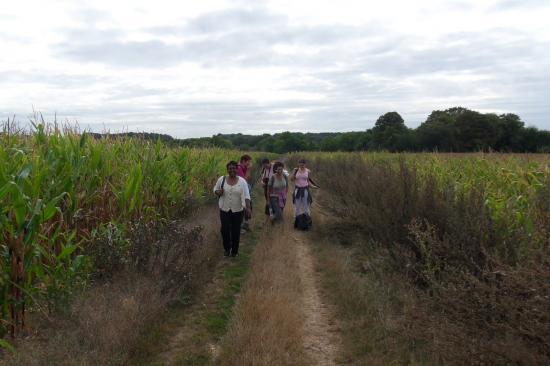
241 170
302 178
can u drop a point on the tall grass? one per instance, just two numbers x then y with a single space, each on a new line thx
471 232
61 191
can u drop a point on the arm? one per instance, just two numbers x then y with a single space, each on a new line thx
246 197
311 181
293 175
269 189
218 191
260 180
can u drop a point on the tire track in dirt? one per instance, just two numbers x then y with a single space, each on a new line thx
320 335
281 318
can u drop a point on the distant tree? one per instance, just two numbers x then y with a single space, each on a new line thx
509 128
453 129
388 132
219 141
390 120
330 144
476 131
288 142
437 132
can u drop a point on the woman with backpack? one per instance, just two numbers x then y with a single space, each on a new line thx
301 197
278 191
234 203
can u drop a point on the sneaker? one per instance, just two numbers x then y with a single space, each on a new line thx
234 255
226 253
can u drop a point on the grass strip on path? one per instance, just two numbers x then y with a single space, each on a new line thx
267 325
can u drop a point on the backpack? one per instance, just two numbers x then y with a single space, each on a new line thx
272 180
303 222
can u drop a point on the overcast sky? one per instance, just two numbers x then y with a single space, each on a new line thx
202 67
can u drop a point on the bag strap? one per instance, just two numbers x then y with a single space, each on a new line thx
223 181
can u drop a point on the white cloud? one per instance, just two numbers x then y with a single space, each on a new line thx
198 68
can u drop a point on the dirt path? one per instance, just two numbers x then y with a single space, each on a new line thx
280 318
320 337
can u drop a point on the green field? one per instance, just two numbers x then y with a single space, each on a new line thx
470 232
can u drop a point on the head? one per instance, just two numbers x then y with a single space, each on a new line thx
246 160
278 167
232 168
265 163
302 163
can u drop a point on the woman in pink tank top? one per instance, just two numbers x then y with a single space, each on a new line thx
301 196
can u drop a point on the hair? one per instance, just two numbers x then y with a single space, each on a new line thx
265 161
245 158
232 162
277 165
302 161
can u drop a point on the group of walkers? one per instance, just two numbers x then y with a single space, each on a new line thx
234 189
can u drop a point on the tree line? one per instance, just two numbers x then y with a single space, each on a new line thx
452 130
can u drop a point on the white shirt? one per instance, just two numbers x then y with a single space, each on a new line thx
233 197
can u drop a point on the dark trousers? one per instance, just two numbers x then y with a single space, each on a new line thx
266 195
231 230
277 210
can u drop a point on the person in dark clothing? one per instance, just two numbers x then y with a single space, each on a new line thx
234 202
244 171
265 174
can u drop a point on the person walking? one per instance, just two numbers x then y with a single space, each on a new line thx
301 197
278 191
234 202
244 171
265 175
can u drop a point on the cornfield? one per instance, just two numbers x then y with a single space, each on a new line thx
469 232
59 189
510 182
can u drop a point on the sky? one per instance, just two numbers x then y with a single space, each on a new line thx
198 68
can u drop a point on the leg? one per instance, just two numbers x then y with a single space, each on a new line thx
225 218
236 219
307 209
276 208
300 206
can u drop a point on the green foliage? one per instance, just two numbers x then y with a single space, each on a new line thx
468 232
65 197
453 130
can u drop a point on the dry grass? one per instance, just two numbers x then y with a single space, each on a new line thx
267 326
100 328
433 272
106 324
369 302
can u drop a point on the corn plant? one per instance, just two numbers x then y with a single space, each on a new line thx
59 188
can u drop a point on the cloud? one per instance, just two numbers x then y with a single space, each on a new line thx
515 4
124 54
233 36
252 69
